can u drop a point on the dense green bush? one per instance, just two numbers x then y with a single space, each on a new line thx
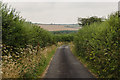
98 44
18 33
64 37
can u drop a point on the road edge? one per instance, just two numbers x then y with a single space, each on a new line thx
82 62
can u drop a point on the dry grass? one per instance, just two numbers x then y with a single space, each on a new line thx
27 63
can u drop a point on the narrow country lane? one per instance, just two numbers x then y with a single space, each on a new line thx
65 65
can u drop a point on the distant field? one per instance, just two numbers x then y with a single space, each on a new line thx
57 27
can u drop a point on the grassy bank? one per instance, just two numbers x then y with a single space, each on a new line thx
97 45
28 66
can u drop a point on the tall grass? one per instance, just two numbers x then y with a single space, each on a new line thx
29 65
99 45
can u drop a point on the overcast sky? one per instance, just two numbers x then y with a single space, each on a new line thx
63 12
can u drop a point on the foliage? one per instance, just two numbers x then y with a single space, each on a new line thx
18 33
31 64
23 44
64 37
99 45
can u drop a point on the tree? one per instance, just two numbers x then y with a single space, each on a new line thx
88 21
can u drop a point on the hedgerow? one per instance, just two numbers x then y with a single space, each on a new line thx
18 33
64 37
98 44
25 51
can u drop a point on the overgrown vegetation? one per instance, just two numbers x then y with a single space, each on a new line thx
19 33
64 37
24 52
98 45
29 64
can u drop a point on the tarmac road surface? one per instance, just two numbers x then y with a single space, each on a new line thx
65 65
